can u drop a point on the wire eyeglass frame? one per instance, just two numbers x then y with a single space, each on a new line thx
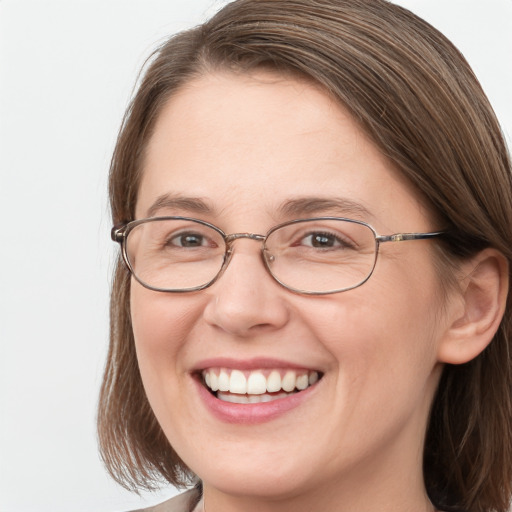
120 232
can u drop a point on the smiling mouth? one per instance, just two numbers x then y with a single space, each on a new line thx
257 386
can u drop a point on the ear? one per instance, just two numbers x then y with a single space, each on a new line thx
479 308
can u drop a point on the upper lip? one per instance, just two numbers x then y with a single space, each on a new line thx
257 363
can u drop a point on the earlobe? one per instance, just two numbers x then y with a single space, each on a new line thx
484 289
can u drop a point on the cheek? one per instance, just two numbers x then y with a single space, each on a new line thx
161 323
383 335
159 320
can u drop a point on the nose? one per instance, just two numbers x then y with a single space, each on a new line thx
246 300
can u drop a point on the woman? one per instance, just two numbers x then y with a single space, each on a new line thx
272 339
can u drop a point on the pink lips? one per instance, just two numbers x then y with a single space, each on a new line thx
251 364
251 413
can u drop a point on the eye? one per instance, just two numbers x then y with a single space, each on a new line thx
324 240
320 240
187 240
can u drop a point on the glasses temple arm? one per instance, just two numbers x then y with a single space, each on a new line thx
402 237
117 233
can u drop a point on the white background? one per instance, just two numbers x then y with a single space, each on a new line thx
67 68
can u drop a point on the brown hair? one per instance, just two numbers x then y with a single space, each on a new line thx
417 98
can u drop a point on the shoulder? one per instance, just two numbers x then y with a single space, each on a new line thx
184 502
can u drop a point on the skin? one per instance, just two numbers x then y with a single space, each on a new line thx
356 442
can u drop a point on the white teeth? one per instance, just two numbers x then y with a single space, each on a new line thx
250 399
237 383
288 382
255 399
235 399
214 381
223 381
302 382
274 381
255 385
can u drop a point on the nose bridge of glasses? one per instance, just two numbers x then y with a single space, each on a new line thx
236 236
229 239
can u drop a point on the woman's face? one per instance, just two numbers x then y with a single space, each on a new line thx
246 153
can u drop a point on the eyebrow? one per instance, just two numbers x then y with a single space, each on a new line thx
323 205
303 206
179 202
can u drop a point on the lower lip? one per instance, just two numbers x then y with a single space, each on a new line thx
252 413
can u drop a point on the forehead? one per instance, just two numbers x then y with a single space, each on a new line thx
246 144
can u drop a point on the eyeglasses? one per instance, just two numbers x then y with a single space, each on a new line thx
309 256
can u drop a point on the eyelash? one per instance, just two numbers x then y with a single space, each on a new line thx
339 241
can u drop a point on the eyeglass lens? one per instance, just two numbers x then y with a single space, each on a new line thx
315 255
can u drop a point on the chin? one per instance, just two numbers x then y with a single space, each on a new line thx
270 483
